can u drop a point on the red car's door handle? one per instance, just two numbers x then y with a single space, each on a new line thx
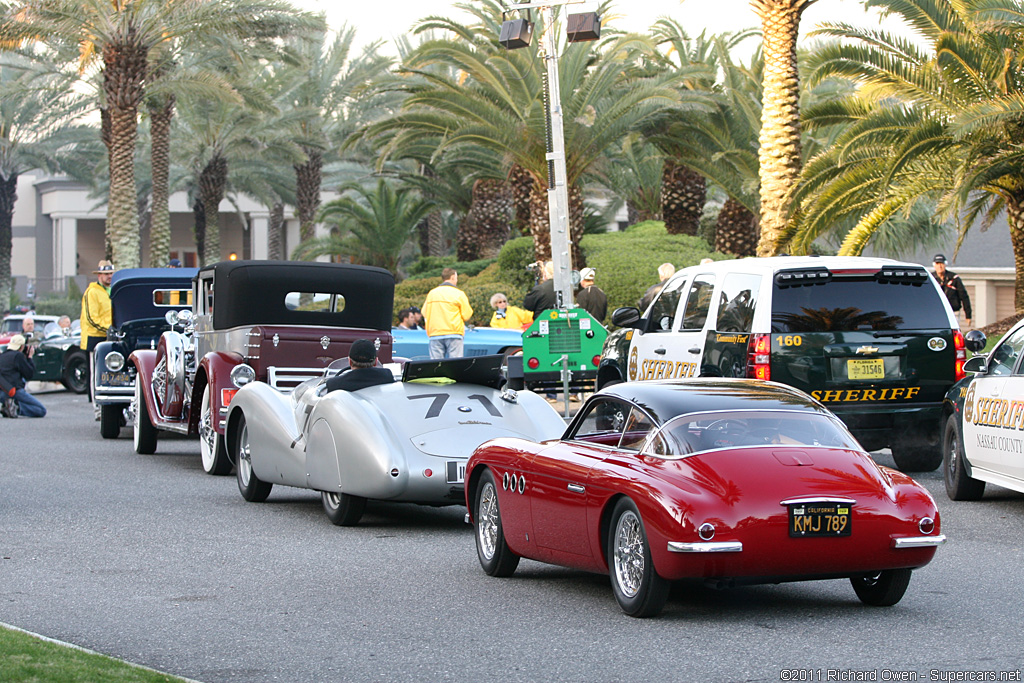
576 488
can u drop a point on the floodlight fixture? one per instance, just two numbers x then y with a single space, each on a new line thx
516 33
582 27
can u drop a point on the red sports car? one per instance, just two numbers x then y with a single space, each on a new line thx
727 480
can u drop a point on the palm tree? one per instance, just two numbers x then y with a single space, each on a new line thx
633 172
38 110
372 227
493 103
721 144
217 133
124 36
937 124
683 190
330 84
779 152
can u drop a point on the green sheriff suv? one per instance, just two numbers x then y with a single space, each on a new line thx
872 339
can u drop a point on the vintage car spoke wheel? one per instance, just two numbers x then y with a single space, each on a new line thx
341 508
110 420
75 377
882 589
496 558
144 433
211 444
638 589
959 484
252 488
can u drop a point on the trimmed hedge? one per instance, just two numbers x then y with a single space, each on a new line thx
626 264
478 289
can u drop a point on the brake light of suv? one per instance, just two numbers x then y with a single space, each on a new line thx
759 356
961 354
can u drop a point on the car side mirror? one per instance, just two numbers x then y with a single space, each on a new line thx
975 341
976 364
627 316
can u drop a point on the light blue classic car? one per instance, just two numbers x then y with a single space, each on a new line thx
479 341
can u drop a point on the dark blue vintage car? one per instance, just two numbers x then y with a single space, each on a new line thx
139 299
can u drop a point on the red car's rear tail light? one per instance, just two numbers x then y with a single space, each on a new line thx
961 354
759 356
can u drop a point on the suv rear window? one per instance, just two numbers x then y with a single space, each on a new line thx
860 302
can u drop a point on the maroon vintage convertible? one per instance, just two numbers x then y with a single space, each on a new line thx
727 480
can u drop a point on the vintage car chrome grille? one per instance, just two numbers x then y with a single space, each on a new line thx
286 379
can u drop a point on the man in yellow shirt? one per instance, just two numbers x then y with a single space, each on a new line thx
445 312
96 315
509 317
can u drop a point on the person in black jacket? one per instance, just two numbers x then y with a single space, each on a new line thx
16 368
591 298
953 287
361 373
542 296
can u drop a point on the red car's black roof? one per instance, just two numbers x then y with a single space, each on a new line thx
663 400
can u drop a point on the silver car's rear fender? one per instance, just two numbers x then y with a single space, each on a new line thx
278 454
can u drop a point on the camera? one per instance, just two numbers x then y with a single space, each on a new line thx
534 267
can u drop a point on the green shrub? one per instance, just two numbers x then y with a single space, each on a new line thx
62 306
627 262
513 259
478 289
431 266
74 291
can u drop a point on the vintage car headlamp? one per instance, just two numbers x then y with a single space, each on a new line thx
114 361
242 374
171 317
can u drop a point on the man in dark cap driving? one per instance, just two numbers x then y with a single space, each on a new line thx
362 356
953 287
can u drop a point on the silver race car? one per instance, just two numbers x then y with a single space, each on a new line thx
406 441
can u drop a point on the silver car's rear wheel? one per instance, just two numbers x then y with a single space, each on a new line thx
341 508
211 444
252 488
638 589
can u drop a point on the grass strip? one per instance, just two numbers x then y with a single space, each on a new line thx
26 658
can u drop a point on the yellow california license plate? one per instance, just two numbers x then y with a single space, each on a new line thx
865 368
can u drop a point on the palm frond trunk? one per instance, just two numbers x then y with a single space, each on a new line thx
8 195
779 148
160 116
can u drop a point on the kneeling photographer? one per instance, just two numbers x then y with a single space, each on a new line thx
16 368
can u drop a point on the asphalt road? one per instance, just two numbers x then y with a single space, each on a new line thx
148 559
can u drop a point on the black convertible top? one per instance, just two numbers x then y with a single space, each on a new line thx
254 293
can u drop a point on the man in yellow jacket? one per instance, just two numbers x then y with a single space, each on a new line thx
445 312
96 315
